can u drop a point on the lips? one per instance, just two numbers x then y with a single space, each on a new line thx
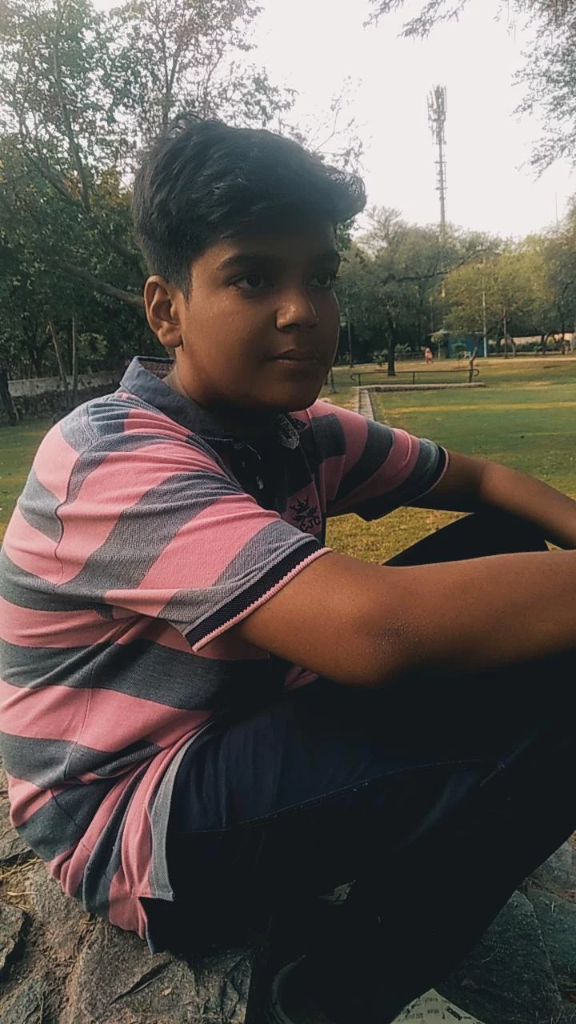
296 356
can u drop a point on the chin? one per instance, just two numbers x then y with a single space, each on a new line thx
299 399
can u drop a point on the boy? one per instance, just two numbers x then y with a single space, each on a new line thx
206 713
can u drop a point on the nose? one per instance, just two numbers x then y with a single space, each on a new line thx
296 312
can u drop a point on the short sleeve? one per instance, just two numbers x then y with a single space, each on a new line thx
370 468
155 525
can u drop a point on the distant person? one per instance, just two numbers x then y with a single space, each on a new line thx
206 714
429 358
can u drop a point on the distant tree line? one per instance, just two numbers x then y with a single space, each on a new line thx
402 288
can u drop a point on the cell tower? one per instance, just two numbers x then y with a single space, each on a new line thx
437 119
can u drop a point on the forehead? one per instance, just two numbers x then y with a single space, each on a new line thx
297 245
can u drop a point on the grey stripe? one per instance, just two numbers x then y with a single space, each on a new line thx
49 762
38 505
144 531
144 669
422 477
379 443
328 439
159 813
26 590
106 857
58 825
75 428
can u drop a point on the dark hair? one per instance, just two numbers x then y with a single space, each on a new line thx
203 181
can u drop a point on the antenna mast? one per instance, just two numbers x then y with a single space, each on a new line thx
437 119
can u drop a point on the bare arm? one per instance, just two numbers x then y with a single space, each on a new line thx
368 625
470 485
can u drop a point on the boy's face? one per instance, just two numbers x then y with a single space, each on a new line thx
259 329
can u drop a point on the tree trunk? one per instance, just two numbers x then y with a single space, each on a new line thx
505 327
471 365
6 397
392 357
74 364
61 368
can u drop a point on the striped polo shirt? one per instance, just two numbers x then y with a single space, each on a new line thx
144 532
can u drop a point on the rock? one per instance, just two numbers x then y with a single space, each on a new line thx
508 978
557 919
12 921
11 844
117 981
59 920
558 873
27 1005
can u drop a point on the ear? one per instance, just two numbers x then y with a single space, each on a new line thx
162 302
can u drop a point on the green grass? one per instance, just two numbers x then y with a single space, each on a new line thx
17 449
525 418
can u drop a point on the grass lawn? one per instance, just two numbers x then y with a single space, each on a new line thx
525 418
17 449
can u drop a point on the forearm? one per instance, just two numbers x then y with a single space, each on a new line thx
532 500
473 485
478 614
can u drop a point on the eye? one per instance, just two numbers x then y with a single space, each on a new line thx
251 283
325 280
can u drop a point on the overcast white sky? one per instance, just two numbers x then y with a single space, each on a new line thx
312 44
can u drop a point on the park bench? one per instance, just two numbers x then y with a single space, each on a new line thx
469 373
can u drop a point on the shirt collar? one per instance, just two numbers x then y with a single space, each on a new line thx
144 378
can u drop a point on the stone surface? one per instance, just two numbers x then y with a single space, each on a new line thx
11 844
27 1006
558 874
557 919
116 979
12 922
60 923
508 978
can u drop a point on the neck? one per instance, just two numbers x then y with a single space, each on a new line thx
250 425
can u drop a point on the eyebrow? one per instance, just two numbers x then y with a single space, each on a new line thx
242 259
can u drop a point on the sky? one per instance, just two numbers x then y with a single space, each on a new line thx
313 45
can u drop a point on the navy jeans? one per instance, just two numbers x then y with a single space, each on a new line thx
436 799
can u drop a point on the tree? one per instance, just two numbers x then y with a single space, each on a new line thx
512 288
82 90
391 281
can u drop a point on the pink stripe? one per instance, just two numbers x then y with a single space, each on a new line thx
29 628
391 475
124 478
266 597
68 868
31 550
54 462
156 631
192 560
25 799
104 720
